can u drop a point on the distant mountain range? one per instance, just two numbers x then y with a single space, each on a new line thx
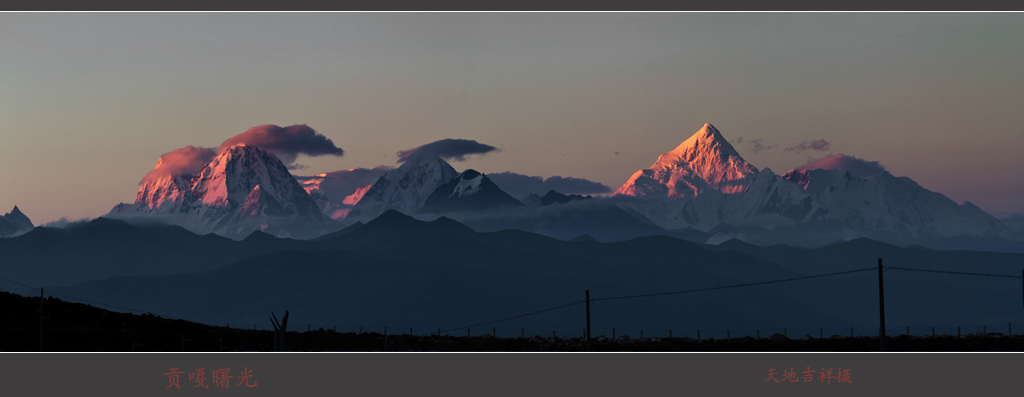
243 237
701 191
397 271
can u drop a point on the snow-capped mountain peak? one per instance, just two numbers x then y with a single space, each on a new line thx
405 188
14 223
705 161
242 182
469 183
469 191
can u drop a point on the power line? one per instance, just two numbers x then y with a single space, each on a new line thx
943 271
77 299
658 294
521 315
23 285
732 286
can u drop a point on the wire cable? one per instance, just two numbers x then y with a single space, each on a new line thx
944 271
521 315
77 299
732 286
661 293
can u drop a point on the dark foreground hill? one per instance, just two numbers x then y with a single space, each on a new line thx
71 327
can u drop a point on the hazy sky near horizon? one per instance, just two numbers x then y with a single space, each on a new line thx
89 101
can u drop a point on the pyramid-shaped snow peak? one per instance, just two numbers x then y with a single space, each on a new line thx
405 188
705 161
14 223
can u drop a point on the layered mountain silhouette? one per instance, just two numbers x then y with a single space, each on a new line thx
400 272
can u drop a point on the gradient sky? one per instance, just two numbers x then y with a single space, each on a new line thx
89 101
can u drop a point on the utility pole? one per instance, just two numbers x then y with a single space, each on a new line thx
588 320
881 307
40 318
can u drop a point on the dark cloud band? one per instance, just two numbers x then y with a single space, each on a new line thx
339 184
448 149
520 186
820 145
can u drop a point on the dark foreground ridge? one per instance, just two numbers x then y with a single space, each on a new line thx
76 327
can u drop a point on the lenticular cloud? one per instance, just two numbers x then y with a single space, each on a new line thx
856 166
188 160
285 142
448 149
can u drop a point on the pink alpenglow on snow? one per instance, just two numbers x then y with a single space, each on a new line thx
350 202
705 161
172 175
188 160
